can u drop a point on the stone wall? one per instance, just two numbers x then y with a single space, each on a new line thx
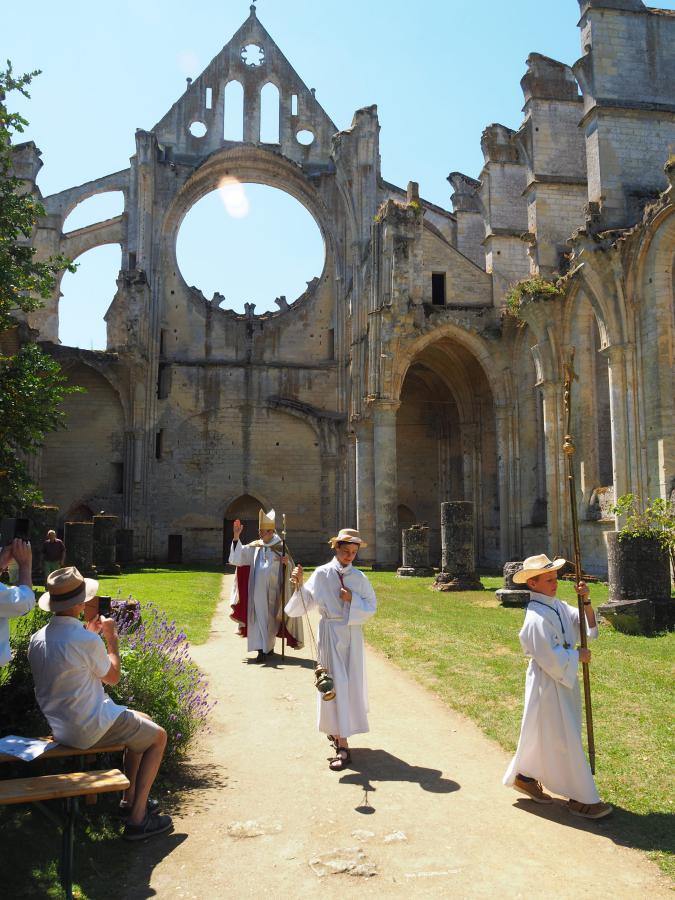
362 399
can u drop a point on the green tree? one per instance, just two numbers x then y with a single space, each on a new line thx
32 386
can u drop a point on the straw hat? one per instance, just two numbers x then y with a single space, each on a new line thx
347 536
537 565
67 588
267 520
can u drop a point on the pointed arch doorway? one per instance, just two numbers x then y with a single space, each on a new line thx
244 508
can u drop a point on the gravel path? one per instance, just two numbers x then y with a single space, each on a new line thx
421 811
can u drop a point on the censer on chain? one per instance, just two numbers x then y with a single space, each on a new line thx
324 682
322 677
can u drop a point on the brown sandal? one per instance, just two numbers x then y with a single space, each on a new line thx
341 760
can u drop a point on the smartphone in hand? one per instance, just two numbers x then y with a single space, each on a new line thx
97 606
104 606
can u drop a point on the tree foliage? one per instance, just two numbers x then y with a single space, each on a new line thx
31 384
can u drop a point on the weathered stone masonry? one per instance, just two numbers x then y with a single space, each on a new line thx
396 382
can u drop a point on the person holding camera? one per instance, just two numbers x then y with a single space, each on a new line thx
70 665
19 600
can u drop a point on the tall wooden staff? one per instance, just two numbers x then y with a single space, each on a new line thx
569 450
283 587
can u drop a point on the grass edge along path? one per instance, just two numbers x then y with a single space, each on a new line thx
464 647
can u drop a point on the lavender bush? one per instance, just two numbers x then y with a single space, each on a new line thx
158 676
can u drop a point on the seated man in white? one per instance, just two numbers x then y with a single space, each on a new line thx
70 665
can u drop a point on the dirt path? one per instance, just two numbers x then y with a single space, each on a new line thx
422 806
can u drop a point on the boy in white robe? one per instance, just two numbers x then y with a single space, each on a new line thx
549 750
345 598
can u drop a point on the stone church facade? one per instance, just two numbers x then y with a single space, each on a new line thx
398 379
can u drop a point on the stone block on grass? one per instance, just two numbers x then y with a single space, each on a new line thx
630 616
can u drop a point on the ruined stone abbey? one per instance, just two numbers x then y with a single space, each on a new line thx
401 378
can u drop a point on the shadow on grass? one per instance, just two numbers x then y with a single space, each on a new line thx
378 765
651 832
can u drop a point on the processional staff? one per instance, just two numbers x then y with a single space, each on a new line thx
283 586
569 450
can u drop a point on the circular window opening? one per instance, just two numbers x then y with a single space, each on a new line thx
249 243
253 55
305 137
198 129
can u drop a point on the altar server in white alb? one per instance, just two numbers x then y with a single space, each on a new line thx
550 752
345 600
259 587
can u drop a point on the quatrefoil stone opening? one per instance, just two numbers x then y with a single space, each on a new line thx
253 55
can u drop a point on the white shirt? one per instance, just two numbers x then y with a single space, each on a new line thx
68 663
14 602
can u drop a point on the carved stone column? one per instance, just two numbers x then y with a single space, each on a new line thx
415 548
555 476
625 445
509 533
386 482
458 565
365 488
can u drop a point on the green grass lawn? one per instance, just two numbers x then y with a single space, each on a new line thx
465 648
189 596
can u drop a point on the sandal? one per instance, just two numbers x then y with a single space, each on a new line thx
149 827
341 760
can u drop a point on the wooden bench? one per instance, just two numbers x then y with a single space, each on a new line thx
59 751
67 786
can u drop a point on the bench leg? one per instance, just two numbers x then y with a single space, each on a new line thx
67 842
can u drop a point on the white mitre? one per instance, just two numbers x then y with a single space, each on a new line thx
267 520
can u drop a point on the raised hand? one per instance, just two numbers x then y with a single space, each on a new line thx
297 576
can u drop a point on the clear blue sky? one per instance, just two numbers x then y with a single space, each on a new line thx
439 72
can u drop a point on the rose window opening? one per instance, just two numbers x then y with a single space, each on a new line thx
253 55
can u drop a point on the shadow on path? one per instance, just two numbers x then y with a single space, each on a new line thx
276 661
653 832
379 765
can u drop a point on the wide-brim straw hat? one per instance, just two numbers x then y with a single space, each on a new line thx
347 536
537 565
67 588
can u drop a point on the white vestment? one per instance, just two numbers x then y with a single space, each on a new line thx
550 748
264 586
339 643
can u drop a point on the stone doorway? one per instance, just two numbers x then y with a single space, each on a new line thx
446 443
244 508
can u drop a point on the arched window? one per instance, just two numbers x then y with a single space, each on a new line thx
269 114
86 296
234 111
94 209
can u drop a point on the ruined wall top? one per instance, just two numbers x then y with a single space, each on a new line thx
628 59
195 126
548 79
497 144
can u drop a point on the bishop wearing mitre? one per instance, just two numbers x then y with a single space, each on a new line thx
261 573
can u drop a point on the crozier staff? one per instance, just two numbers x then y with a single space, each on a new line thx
345 599
550 752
